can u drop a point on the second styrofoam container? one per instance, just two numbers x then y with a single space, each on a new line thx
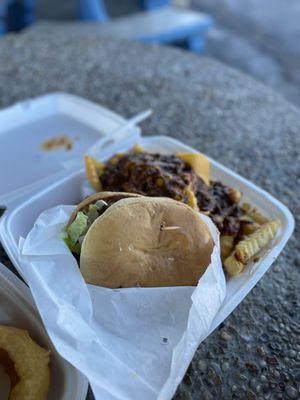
17 309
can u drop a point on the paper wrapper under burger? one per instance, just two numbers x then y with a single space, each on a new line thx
131 343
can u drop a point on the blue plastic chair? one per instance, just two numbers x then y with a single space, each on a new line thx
188 29
95 10
17 14
92 10
3 8
161 25
148 5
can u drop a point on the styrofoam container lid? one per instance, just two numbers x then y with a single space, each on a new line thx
26 125
17 309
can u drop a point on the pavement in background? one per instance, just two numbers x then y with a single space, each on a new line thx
259 37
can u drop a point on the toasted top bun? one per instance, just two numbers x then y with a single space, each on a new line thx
147 242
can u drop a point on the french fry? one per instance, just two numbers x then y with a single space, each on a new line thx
93 170
198 162
233 266
254 214
192 199
115 159
137 148
258 217
252 244
226 243
248 226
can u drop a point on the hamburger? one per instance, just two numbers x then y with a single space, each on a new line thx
125 240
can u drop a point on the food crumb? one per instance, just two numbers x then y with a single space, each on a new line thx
57 142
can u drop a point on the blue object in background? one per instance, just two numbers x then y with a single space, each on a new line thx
152 4
19 14
3 7
162 25
92 10
190 36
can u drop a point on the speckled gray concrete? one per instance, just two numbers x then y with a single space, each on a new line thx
255 354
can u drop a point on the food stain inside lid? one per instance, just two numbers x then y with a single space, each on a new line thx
57 142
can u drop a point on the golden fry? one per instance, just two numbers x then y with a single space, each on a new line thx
192 199
226 243
258 217
115 159
255 242
233 266
198 162
254 214
137 148
93 169
250 227
246 207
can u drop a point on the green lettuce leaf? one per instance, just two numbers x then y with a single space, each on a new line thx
94 211
78 227
74 247
92 214
74 234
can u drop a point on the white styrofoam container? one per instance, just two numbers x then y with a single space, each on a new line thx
59 112
17 309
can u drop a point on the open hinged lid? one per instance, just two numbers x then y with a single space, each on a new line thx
17 309
39 137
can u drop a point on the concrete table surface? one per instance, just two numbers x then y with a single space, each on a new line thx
255 353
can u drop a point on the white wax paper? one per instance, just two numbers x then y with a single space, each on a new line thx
132 344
